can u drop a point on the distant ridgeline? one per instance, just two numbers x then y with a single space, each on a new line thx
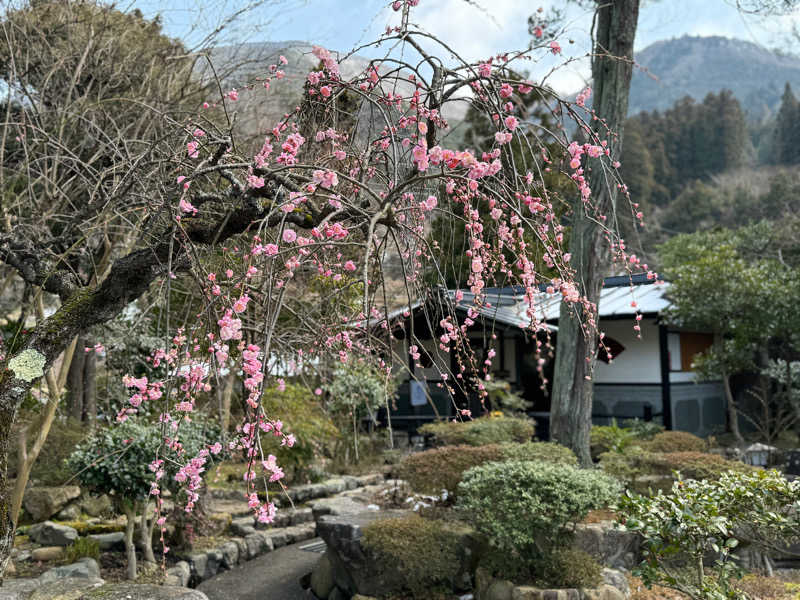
696 66
713 140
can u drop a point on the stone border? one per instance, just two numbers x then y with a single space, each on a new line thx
252 540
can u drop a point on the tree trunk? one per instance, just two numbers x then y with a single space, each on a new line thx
75 382
27 457
733 414
225 409
576 351
146 538
89 387
130 549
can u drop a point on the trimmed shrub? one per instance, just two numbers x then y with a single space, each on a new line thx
636 463
548 452
567 568
302 415
526 507
478 432
697 465
439 469
675 441
425 552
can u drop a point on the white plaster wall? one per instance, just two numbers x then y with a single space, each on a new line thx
639 362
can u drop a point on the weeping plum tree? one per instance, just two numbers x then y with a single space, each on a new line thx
288 246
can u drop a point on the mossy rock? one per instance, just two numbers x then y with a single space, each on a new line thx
86 528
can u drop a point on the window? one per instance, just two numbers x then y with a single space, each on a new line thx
683 346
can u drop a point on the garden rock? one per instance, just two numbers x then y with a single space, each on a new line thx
44 502
353 571
335 486
230 554
47 553
242 527
179 575
213 564
131 591
109 541
96 506
259 543
300 533
525 592
604 592
277 538
85 568
301 515
612 547
51 534
618 580
199 564
69 513
340 505
70 588
499 589
322 577
17 589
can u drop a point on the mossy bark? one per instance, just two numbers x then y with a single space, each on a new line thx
576 351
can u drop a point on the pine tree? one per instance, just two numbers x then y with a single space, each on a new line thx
787 130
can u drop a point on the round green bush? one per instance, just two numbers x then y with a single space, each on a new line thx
425 552
675 441
478 432
115 460
526 507
548 452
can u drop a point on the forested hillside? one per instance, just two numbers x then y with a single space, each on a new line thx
699 165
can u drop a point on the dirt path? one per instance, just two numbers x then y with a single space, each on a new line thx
273 576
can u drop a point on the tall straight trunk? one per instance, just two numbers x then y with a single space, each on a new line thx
75 382
733 413
89 387
576 351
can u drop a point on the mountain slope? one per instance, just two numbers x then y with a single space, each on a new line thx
695 66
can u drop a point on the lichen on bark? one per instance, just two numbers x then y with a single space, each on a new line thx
28 365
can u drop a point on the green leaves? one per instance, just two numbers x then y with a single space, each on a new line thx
701 518
527 506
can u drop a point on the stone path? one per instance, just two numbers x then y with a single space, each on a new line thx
273 576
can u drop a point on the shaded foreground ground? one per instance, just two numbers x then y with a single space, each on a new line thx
273 576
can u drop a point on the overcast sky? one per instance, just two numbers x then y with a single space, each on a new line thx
501 26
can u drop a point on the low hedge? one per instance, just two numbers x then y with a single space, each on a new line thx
439 469
479 432
637 463
675 441
548 452
426 552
